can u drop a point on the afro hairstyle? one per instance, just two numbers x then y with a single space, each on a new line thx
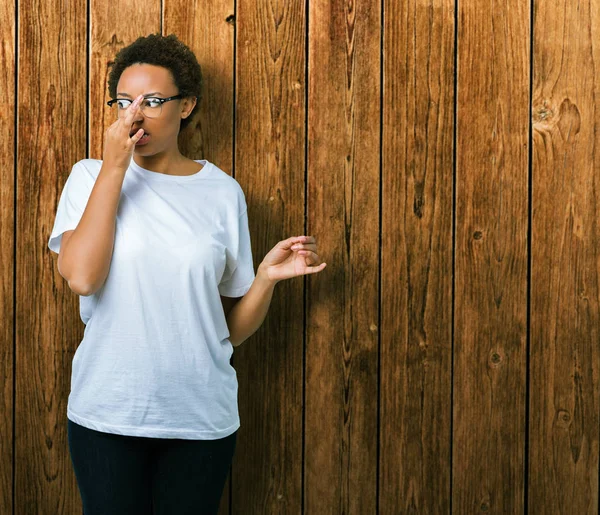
168 52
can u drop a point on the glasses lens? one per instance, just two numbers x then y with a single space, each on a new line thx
151 107
120 106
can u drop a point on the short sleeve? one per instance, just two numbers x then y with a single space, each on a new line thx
239 268
71 204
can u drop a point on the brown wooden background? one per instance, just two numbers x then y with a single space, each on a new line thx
445 155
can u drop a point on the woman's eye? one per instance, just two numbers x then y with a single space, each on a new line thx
151 102
123 104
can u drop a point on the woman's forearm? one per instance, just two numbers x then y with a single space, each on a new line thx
248 314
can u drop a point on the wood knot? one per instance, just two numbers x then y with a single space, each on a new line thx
543 113
495 359
569 120
563 418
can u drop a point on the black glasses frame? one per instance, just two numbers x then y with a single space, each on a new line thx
161 100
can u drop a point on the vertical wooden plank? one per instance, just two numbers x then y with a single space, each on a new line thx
416 268
343 212
491 257
269 165
210 135
114 25
7 236
565 275
51 137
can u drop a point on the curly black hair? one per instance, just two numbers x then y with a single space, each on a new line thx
168 52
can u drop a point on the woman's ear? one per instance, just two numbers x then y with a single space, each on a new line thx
187 106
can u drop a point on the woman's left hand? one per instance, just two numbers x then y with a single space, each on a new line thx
292 257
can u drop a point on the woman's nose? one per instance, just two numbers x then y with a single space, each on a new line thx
139 115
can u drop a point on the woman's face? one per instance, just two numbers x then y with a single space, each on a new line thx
156 81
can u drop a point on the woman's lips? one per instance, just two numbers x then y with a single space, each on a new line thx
143 140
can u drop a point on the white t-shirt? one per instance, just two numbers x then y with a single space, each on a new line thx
155 356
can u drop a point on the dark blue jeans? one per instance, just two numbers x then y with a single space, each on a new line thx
134 475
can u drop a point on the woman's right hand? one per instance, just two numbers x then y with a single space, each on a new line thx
118 146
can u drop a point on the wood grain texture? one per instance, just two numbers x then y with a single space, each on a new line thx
416 260
211 38
343 300
565 259
491 257
210 134
8 237
51 137
269 165
114 25
395 380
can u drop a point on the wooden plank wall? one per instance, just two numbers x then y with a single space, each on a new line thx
7 249
490 273
416 267
565 259
445 156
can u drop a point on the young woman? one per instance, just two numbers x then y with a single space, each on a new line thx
158 248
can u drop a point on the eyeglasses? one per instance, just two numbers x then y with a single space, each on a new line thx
150 106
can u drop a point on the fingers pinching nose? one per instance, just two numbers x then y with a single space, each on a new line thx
136 102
